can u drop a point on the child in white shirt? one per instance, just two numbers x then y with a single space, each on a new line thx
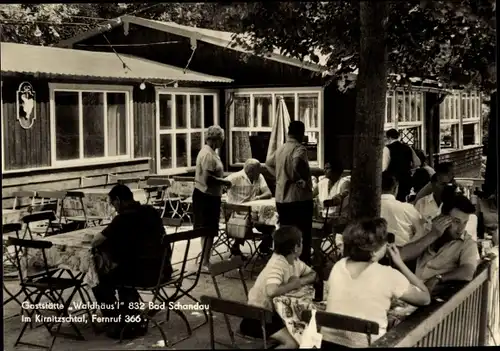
283 273
361 287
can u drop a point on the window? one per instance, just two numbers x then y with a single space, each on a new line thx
182 118
460 120
90 123
405 112
471 117
449 112
253 114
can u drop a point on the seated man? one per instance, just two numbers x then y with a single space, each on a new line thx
403 220
445 169
429 206
332 187
133 242
249 185
447 252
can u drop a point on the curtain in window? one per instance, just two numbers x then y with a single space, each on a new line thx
280 126
241 140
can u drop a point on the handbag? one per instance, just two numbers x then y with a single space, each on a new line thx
103 263
239 226
311 339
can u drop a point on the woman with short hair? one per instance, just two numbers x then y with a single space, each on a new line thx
360 287
209 184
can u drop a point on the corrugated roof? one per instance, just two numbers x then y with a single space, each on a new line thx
23 58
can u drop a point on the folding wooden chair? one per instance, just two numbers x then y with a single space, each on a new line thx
157 194
9 259
221 268
46 284
175 283
47 217
52 201
237 309
79 215
181 189
19 195
341 322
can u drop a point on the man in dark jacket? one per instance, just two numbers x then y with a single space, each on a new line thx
399 159
133 243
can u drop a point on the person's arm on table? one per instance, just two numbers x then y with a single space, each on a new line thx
419 296
414 249
307 274
265 192
98 240
274 289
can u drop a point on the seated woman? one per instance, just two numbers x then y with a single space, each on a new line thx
361 287
332 187
283 273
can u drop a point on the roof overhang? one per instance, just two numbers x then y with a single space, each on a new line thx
192 33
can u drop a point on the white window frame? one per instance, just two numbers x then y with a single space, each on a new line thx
276 92
91 88
173 131
459 116
407 122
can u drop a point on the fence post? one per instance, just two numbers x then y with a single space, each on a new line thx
483 321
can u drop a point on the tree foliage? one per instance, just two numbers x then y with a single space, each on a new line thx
453 42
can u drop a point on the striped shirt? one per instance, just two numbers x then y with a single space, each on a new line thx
277 271
243 190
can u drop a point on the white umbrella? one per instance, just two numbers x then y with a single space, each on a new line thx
280 127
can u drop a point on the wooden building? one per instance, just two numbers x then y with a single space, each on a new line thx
167 110
248 106
73 118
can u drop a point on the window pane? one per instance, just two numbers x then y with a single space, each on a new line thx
263 110
247 145
469 134
117 124
195 105
449 136
67 125
165 151
312 145
290 105
181 150
308 110
181 111
208 109
399 106
93 124
418 107
195 147
242 111
165 106
388 109
408 107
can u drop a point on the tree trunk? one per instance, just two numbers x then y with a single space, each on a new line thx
371 88
491 176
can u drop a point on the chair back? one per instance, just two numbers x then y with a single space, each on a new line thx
18 195
12 228
237 309
185 238
22 247
158 182
130 181
226 266
75 211
52 200
182 186
48 216
341 322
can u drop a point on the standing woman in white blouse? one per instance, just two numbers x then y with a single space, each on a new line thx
209 183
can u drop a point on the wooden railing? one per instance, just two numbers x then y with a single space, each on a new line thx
463 320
